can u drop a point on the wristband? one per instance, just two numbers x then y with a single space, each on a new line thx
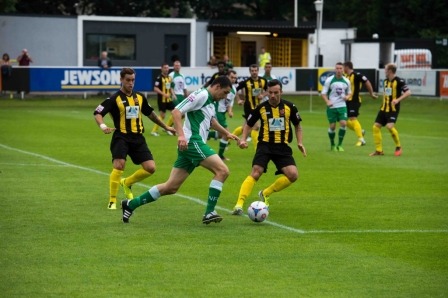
103 126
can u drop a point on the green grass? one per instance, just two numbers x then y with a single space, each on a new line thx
352 226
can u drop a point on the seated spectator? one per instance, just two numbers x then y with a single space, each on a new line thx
24 59
213 62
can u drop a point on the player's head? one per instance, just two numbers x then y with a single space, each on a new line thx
176 66
220 87
231 74
221 66
268 67
348 64
391 67
275 91
253 70
339 69
127 79
165 68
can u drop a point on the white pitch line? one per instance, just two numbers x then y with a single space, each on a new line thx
198 201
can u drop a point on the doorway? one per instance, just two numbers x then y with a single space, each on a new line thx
248 53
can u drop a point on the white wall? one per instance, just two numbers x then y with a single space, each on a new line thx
51 41
330 46
365 55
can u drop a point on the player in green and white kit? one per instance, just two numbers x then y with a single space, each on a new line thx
224 106
199 111
178 83
336 92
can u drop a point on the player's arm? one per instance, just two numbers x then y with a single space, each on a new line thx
299 136
159 91
404 95
177 118
218 127
100 122
155 118
370 89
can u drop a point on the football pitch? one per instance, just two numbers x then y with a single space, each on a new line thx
351 226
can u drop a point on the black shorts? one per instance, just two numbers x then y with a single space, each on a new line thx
280 154
353 108
133 145
164 106
386 117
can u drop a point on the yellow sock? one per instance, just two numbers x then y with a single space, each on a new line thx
357 128
170 121
350 124
138 176
238 131
282 182
394 133
254 136
114 182
377 138
245 190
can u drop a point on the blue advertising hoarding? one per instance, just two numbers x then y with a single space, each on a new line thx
43 79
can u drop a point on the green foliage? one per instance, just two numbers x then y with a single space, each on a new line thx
351 226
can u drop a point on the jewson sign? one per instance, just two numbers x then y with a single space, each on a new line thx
85 79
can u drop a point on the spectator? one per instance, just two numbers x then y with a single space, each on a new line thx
213 62
264 57
6 67
228 63
24 59
104 61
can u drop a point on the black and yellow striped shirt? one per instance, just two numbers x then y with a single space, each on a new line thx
392 90
275 121
126 111
251 89
356 81
164 84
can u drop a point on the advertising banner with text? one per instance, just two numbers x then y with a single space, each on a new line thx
421 82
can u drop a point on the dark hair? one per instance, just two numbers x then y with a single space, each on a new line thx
253 66
221 63
222 81
5 55
126 70
340 63
231 71
348 64
275 82
164 63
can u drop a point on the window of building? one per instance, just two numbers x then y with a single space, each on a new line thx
118 46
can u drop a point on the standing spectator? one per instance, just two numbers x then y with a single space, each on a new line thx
24 59
335 92
354 102
277 117
395 90
264 57
178 83
6 67
192 150
165 95
228 64
127 108
104 62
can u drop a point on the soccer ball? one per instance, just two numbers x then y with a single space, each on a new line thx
258 211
